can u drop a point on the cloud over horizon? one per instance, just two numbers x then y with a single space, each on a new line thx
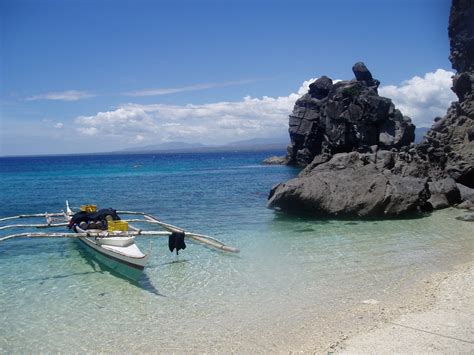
220 121
421 98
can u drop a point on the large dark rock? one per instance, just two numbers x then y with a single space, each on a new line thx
467 194
461 35
276 160
320 88
444 193
343 117
461 40
393 176
351 185
363 74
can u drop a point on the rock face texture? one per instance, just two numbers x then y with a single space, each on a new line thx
351 184
449 145
461 40
345 116
357 148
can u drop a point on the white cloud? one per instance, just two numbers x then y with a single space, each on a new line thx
215 123
69 95
196 87
422 98
59 125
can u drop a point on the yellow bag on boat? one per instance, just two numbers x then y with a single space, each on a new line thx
117 226
89 208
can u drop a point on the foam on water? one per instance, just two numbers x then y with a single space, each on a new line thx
292 273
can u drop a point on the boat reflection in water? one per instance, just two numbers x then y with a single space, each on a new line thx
103 264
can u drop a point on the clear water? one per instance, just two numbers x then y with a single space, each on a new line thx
294 278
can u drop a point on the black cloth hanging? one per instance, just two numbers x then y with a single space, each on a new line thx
176 241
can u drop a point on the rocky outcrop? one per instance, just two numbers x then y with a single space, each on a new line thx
345 116
351 185
276 160
461 40
386 174
448 147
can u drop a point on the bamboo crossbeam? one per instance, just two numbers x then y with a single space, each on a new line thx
167 226
46 225
205 239
102 234
44 235
31 216
217 245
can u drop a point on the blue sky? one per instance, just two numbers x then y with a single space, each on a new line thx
83 76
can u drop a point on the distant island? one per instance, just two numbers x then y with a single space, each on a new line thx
255 144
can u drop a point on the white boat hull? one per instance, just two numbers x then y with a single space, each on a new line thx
129 255
116 241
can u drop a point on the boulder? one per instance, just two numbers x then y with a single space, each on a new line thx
363 74
320 88
350 185
462 85
466 205
444 193
468 217
275 160
467 194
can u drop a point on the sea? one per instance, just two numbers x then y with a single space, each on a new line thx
295 281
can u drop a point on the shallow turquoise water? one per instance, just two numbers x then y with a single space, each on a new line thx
292 273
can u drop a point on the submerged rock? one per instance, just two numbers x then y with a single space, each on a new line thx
466 205
275 160
468 217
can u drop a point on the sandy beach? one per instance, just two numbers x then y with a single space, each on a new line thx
440 319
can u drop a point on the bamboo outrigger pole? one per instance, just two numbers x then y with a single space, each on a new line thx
102 234
32 215
45 225
201 238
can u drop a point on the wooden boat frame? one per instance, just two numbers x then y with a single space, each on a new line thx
103 241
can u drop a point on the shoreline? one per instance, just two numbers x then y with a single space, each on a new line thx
437 318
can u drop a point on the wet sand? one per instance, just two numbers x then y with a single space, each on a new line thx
440 319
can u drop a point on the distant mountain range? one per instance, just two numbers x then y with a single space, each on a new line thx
254 144
420 133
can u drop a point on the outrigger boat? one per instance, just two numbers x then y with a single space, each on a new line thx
105 232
